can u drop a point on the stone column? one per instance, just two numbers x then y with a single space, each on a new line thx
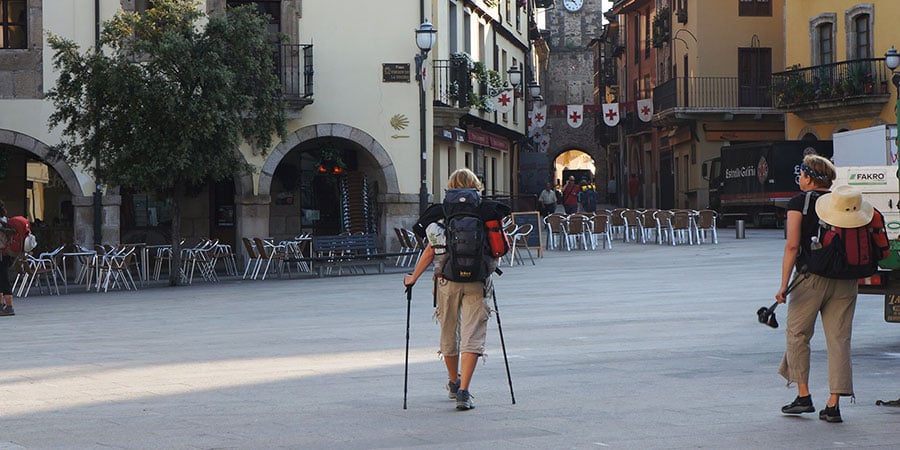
251 218
398 211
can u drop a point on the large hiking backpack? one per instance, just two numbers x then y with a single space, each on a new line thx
848 253
466 236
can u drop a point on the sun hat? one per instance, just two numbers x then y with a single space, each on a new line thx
844 207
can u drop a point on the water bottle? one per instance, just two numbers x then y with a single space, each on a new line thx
814 243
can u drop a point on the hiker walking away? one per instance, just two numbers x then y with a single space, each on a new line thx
634 189
463 309
834 299
588 198
570 196
611 190
6 233
547 199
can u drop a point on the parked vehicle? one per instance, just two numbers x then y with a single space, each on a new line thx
867 160
754 181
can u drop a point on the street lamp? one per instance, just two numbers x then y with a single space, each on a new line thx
515 76
424 40
892 61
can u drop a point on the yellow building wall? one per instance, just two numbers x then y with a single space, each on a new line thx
885 33
720 31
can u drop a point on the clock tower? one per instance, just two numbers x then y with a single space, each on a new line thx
568 79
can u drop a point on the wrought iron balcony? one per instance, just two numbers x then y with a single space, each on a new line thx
713 94
295 70
452 83
799 88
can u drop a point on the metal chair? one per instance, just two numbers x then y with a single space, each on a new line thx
555 229
520 240
600 229
706 223
253 258
577 230
633 229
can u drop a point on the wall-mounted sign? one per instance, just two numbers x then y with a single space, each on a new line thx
395 73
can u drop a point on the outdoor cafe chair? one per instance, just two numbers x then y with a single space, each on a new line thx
664 231
555 229
649 226
113 269
633 229
253 259
600 229
30 270
706 225
577 230
617 223
520 240
682 227
270 252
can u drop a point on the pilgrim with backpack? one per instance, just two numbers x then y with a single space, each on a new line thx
15 239
465 241
833 238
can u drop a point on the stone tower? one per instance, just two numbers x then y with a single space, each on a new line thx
569 80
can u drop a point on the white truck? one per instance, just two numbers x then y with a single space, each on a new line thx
867 159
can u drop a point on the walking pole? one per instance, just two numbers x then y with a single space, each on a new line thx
406 361
503 346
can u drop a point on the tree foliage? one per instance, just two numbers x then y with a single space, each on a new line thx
168 99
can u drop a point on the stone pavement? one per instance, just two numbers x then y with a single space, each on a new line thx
642 346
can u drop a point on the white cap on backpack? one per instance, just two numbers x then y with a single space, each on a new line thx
844 207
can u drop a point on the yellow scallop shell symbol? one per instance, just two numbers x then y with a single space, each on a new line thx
399 122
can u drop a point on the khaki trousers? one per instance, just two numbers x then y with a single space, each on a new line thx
835 300
463 312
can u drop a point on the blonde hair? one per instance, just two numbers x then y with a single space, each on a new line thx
820 170
464 179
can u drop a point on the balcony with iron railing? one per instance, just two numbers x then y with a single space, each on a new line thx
295 71
833 92
711 95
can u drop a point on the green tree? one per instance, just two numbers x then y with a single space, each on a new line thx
167 100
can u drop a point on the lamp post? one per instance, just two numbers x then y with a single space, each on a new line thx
892 61
424 40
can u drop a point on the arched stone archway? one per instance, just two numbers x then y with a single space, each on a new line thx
41 150
366 141
254 210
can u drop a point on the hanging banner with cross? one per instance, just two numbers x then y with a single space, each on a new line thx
645 109
540 116
611 114
575 115
504 101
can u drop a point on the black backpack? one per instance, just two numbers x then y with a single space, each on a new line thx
466 236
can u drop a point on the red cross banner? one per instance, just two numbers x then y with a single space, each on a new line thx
575 115
544 145
504 101
611 114
645 109
540 116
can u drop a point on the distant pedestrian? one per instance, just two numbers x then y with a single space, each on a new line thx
611 190
547 200
6 233
588 198
634 190
570 196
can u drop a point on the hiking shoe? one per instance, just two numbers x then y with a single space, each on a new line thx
453 388
464 400
7 311
831 414
799 405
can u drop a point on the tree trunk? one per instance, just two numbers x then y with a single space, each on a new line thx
175 273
